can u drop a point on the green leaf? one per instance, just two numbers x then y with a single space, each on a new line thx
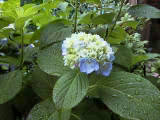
36 35
46 111
27 38
117 36
19 12
103 19
5 21
153 55
43 18
123 118
42 83
61 115
70 89
130 96
99 31
20 22
90 110
29 53
10 85
11 4
132 24
138 58
153 80
123 56
86 18
91 1
5 33
8 60
117 68
50 60
54 32
63 6
127 59
50 4
31 9
145 11
42 111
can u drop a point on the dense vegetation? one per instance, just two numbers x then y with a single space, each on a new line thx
35 84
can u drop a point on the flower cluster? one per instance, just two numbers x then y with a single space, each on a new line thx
88 52
126 18
135 43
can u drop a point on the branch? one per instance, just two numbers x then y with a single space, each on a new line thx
76 15
119 13
22 49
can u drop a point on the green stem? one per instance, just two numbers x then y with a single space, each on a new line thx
76 15
119 13
22 49
101 12
74 115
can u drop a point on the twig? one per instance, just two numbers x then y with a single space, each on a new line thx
74 115
119 13
101 12
22 49
76 15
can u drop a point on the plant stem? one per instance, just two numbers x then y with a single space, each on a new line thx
144 70
119 13
76 15
101 12
22 49
74 115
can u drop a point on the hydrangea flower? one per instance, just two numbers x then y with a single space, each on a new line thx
125 18
88 52
134 42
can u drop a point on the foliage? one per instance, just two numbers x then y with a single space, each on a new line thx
32 71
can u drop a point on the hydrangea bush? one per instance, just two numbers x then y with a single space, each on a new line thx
77 60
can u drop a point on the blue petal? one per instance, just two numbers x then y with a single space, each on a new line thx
105 69
88 65
112 57
64 50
